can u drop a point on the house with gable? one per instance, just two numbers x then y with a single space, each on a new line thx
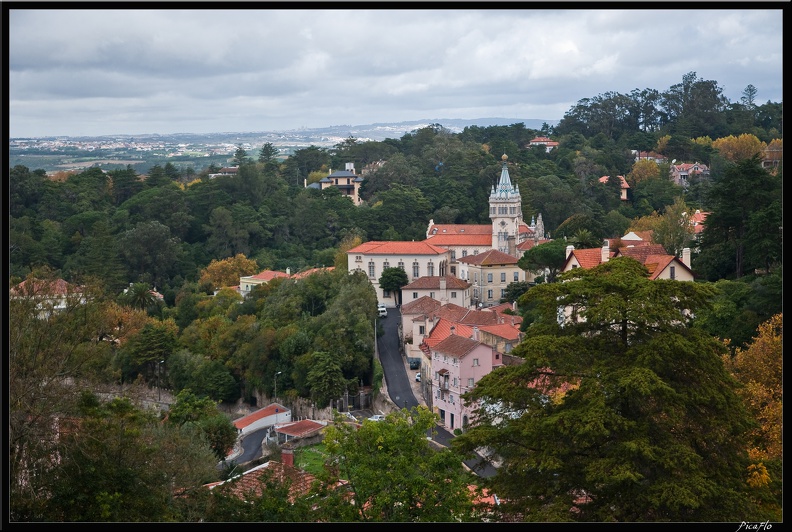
623 183
417 259
345 181
249 282
682 173
660 264
543 141
446 289
458 363
50 295
489 274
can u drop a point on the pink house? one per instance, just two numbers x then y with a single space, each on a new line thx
623 183
458 364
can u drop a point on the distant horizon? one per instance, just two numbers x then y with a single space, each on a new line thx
427 121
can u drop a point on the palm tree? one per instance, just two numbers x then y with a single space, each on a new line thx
139 296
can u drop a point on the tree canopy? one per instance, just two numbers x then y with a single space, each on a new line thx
620 411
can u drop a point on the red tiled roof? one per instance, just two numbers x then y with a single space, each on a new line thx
32 287
503 330
398 248
605 178
253 481
456 346
430 282
640 253
589 258
527 244
442 330
267 275
306 273
459 229
461 240
300 428
489 258
422 305
259 414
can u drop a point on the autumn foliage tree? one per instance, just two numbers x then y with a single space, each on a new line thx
741 147
226 272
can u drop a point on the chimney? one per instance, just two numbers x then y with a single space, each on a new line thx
442 284
305 183
288 271
287 455
475 333
453 330
569 250
605 252
686 257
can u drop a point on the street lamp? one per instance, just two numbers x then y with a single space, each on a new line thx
159 389
276 385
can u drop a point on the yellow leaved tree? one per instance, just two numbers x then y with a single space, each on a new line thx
226 272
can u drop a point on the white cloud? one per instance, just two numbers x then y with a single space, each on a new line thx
93 71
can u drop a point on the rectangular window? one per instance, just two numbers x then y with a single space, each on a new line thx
503 293
453 295
432 295
358 258
386 293
453 254
421 329
371 269
430 270
475 362
489 277
516 276
673 272
464 253
475 277
503 277
416 270
401 265
415 295
489 294
470 382
385 264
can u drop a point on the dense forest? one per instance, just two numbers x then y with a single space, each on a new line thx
121 237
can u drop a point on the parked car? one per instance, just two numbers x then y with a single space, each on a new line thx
417 377
382 311
376 417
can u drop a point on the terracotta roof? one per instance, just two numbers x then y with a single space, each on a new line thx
461 240
442 330
253 481
605 178
527 244
456 346
489 258
306 273
503 330
589 258
422 305
640 253
32 287
259 414
430 282
301 428
266 275
459 229
397 248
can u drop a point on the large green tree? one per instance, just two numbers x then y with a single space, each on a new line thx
392 280
550 255
620 412
392 473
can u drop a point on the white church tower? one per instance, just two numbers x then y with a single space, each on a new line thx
505 213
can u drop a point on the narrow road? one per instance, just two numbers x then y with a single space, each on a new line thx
399 384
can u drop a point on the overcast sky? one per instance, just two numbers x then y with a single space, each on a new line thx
103 72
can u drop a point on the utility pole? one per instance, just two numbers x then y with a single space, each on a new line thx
276 385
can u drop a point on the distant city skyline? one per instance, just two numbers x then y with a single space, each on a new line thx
95 72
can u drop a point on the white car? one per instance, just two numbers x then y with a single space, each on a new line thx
382 311
417 377
377 417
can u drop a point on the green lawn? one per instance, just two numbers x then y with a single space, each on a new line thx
311 458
